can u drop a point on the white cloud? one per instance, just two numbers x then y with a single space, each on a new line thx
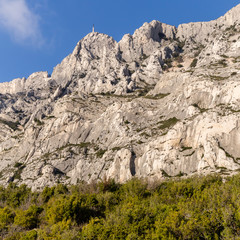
22 23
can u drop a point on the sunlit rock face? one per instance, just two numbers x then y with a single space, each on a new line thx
163 102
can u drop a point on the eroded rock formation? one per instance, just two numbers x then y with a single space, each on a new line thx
162 102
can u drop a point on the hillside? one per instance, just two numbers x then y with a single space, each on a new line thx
161 103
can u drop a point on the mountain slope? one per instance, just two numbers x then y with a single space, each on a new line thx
162 102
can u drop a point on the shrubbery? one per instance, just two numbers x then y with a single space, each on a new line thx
194 63
194 208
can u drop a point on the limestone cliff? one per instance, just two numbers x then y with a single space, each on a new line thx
160 103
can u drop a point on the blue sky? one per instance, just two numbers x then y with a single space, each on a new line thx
35 35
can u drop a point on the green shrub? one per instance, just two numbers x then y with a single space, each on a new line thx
181 44
30 235
168 123
38 122
201 207
47 193
12 125
28 219
100 153
76 208
18 164
14 195
6 217
194 63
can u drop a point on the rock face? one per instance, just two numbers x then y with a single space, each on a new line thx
163 102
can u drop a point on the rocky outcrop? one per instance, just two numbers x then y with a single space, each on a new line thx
204 32
161 103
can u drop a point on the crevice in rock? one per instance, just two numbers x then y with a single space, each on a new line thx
98 177
132 164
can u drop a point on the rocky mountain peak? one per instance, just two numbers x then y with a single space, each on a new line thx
96 44
156 31
161 103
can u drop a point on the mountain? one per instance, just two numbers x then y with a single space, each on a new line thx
161 103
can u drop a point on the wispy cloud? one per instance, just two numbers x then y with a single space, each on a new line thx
20 21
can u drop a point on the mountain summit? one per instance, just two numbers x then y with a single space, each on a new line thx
161 103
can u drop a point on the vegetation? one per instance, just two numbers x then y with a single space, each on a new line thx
12 125
168 123
181 44
143 57
198 50
217 78
168 62
194 63
202 110
222 62
38 122
194 208
19 168
100 153
157 96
